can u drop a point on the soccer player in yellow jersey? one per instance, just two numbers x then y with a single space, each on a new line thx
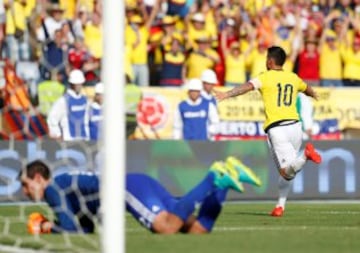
279 90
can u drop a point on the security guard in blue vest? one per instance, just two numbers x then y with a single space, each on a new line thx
195 118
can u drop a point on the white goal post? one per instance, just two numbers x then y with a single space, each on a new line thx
113 174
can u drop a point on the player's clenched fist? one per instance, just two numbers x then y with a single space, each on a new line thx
38 224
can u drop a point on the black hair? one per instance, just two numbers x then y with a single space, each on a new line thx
37 166
277 54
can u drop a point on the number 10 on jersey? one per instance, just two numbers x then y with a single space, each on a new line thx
285 93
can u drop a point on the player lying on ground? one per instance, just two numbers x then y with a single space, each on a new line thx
74 198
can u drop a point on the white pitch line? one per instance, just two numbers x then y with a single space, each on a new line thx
265 228
340 212
11 249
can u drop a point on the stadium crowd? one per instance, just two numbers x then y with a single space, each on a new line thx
167 43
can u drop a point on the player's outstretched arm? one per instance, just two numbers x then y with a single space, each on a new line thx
310 92
236 91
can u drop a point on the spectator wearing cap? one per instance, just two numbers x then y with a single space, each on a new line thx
204 57
66 119
168 30
94 114
330 60
51 23
159 43
197 28
209 80
208 10
195 118
137 36
172 70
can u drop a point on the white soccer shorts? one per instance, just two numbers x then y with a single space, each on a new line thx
285 142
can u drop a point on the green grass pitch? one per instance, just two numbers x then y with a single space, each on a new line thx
242 227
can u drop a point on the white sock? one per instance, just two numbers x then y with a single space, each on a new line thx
284 188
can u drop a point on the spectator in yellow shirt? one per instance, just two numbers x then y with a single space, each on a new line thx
137 34
168 30
201 58
208 10
330 60
258 59
351 58
69 6
17 38
235 67
197 28
93 36
350 52
30 5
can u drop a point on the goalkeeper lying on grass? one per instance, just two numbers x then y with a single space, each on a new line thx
74 198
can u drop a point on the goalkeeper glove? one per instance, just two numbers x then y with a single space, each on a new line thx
36 222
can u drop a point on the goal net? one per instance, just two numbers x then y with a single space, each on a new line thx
74 157
15 207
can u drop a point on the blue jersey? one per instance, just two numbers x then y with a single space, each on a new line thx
74 197
75 200
146 198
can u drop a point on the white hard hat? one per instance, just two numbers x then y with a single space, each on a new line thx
99 88
194 84
209 76
76 77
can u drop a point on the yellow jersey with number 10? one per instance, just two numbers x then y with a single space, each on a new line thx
279 91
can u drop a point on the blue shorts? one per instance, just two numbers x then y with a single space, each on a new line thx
146 198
